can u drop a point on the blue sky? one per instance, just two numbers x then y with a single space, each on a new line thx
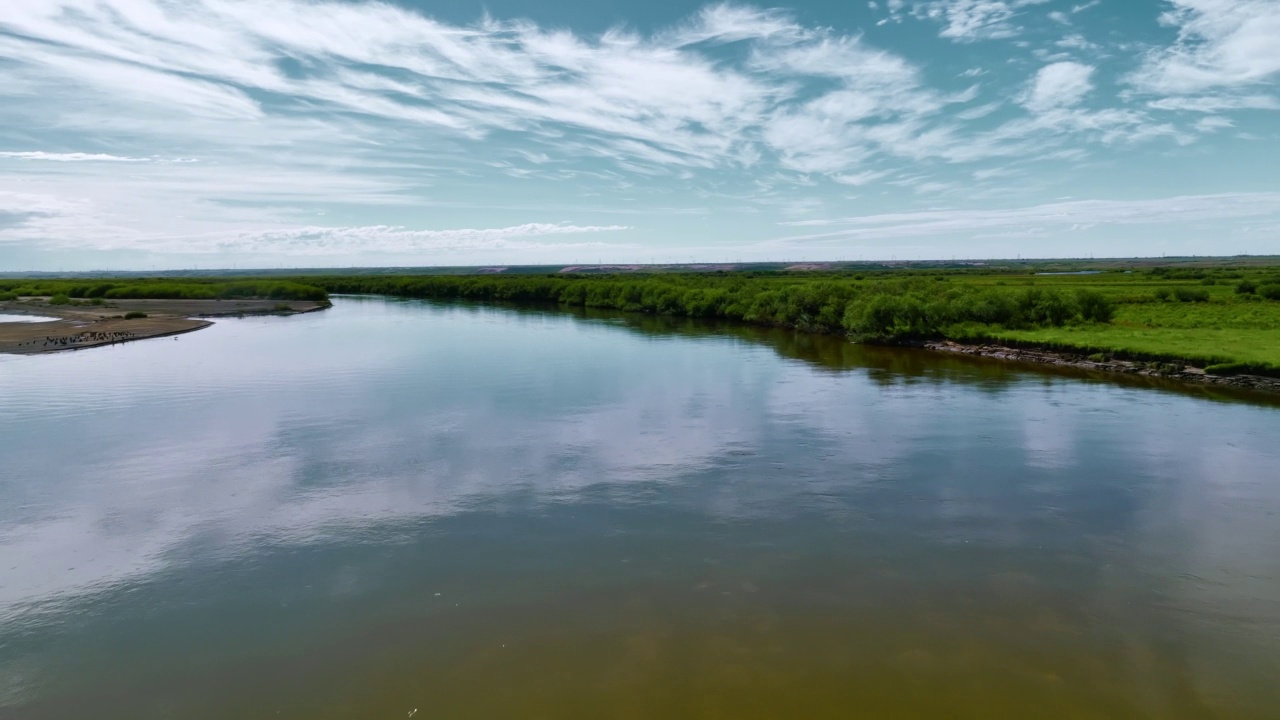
218 133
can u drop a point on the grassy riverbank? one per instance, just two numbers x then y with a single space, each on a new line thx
162 289
1224 317
1202 316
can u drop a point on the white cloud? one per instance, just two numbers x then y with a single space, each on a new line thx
104 223
1076 41
297 105
1059 85
654 105
1213 124
389 239
1070 214
69 157
726 23
859 179
980 111
973 20
1221 44
1213 104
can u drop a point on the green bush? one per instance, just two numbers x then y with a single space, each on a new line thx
8 296
1094 306
1163 294
1246 287
59 300
1187 294
1270 291
1047 307
134 315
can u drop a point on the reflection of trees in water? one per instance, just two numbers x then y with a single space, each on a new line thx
885 365
888 365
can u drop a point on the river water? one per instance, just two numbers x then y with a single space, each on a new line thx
395 509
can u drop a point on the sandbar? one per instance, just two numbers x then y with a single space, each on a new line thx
76 327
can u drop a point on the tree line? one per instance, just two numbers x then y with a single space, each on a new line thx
164 289
896 308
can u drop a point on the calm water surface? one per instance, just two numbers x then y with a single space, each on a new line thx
484 513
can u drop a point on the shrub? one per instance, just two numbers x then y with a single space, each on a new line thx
1270 291
886 316
1046 307
1095 307
8 296
59 300
1163 294
283 307
1246 287
1186 294
134 315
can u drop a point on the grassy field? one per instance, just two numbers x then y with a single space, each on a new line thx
1219 331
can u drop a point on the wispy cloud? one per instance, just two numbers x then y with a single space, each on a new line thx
657 103
393 240
1222 44
379 115
88 225
973 20
1213 104
1075 214
69 157
1061 84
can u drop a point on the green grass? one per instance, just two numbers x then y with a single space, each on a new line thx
164 289
1219 331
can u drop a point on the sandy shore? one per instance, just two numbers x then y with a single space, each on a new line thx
84 326
1174 371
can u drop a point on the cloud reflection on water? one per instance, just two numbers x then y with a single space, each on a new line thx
350 425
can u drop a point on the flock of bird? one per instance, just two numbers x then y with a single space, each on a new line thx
89 336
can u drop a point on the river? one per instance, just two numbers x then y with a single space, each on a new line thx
396 509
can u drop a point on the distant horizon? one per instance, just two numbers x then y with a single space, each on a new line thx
834 264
